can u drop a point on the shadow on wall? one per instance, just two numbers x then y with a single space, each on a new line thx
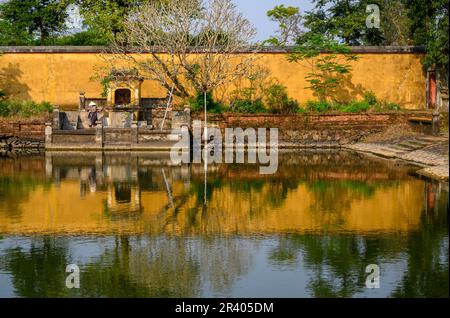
10 82
348 91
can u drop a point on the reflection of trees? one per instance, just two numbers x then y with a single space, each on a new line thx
339 195
19 177
39 272
109 275
132 267
165 267
427 273
222 261
14 190
338 261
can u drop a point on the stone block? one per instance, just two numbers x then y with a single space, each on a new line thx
120 119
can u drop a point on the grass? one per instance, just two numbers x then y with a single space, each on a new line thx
352 107
24 109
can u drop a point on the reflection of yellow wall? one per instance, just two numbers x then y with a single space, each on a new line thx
60 210
59 77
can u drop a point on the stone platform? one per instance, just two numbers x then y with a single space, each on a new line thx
429 152
115 131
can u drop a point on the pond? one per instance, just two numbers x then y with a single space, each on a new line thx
137 226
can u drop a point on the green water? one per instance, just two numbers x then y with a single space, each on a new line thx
137 226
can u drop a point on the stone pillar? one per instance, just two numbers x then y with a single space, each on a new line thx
82 105
436 122
56 118
48 133
99 136
134 132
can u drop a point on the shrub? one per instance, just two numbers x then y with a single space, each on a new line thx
4 110
370 98
9 108
247 106
355 107
197 103
318 106
2 95
301 111
278 101
88 37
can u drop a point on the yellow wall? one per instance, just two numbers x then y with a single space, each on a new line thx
59 77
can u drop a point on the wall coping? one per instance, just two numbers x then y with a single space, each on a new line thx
261 50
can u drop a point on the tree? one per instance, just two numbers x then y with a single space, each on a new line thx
199 40
30 19
395 23
107 16
327 70
430 27
346 21
289 24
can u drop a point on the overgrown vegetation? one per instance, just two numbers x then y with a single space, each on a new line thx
370 103
13 108
277 101
197 103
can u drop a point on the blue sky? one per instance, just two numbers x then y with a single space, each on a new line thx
255 11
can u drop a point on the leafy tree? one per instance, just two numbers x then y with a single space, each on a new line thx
344 20
11 35
289 22
327 70
429 27
25 20
395 23
107 16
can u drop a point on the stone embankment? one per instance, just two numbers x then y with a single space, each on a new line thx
429 152
22 134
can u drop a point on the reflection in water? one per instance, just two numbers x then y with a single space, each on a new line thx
138 227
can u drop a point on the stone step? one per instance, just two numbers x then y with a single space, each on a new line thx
406 146
418 143
431 139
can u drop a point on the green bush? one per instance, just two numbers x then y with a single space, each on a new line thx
318 106
197 103
301 111
370 98
9 108
247 106
278 101
355 107
88 37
